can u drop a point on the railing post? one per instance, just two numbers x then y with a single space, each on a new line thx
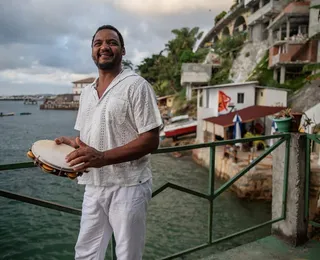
113 248
289 166
211 191
307 191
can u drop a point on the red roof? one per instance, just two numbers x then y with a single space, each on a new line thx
247 114
87 80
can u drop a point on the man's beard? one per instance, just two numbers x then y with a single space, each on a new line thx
106 65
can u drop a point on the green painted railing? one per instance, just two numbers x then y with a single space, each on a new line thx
310 138
211 195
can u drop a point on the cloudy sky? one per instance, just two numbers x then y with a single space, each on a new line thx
45 44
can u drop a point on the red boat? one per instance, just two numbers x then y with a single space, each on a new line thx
180 125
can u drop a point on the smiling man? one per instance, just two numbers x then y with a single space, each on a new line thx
119 122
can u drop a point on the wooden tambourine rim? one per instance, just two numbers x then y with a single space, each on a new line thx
42 160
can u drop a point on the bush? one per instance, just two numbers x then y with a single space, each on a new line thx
219 16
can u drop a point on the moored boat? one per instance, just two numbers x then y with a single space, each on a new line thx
7 114
180 125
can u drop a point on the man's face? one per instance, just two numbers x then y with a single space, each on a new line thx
106 50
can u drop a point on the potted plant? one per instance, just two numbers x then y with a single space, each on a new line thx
284 120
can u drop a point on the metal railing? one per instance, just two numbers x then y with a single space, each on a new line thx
210 196
315 138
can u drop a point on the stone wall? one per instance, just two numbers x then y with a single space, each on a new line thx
257 183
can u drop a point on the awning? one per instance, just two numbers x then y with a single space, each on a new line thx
247 114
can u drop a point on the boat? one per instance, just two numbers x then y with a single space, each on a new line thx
25 113
180 125
7 114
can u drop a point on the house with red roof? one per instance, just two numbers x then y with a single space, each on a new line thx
217 105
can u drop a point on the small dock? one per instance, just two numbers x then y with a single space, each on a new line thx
30 101
271 248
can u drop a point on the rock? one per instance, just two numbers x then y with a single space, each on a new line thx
249 56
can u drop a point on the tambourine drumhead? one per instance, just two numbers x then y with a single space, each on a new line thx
48 152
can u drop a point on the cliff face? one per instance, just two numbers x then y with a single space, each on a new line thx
305 98
248 58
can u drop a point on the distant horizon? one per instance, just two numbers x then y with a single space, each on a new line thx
39 94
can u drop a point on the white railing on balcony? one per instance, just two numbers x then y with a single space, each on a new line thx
271 7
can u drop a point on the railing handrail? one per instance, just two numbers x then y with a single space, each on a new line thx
210 196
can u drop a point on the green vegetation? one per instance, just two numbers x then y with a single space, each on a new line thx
227 49
127 64
181 106
231 44
220 17
312 68
163 70
265 76
221 76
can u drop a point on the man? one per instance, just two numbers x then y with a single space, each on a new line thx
119 122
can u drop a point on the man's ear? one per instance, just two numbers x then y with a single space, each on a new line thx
123 51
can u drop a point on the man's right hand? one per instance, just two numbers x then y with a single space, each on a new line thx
67 140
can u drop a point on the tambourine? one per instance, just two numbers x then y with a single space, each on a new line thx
50 157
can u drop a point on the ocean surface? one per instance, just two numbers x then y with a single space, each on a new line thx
176 221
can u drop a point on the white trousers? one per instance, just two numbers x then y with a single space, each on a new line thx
121 210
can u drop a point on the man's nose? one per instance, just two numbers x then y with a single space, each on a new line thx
105 46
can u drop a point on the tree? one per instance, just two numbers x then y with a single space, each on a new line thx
127 64
163 70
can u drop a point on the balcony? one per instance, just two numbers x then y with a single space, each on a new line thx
293 53
314 26
281 58
275 59
269 9
299 39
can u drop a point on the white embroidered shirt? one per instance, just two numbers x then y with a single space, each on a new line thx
126 109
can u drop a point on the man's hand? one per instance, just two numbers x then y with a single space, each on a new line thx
67 140
85 155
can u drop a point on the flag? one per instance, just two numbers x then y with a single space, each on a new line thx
223 101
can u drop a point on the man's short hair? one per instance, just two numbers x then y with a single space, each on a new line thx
109 27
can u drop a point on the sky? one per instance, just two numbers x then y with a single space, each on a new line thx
45 44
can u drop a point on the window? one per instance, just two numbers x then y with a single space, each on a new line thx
240 98
261 94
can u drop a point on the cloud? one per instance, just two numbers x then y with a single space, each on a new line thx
166 7
47 43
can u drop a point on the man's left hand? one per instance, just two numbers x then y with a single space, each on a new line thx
85 155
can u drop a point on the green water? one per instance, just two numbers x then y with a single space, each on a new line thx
176 221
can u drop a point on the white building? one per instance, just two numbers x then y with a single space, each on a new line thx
314 23
262 12
80 84
194 74
221 100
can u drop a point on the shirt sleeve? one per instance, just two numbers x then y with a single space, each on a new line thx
145 109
